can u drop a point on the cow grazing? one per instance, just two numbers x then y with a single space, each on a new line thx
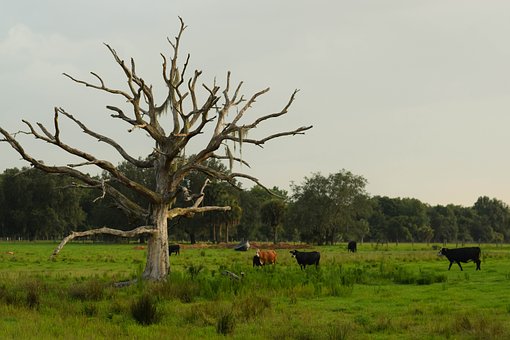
459 255
174 248
256 261
352 246
306 258
266 256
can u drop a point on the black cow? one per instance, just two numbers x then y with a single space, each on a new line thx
256 261
352 246
306 258
459 255
174 248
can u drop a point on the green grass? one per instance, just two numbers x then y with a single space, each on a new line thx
388 292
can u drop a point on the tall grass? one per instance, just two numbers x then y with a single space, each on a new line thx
373 293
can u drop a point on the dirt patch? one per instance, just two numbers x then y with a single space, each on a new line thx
253 245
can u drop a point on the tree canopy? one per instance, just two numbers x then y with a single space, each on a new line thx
56 208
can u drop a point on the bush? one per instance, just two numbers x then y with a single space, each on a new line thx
226 323
10 296
90 309
252 306
179 287
144 310
338 331
88 290
33 289
33 299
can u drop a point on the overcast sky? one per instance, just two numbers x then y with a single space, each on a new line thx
412 95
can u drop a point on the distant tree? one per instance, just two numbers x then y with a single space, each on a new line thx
223 223
498 238
468 223
494 214
3 231
324 208
360 231
398 219
378 219
273 213
251 201
190 113
40 206
425 233
444 223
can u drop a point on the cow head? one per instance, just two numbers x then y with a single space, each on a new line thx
442 252
257 253
293 252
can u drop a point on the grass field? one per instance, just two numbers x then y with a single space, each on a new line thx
394 292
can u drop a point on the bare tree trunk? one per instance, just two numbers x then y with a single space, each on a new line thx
158 264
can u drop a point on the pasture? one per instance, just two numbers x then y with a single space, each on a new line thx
388 292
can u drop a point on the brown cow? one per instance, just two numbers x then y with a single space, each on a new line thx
266 256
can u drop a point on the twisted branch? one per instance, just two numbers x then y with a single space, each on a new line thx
104 230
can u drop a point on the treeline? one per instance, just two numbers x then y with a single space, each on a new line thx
321 210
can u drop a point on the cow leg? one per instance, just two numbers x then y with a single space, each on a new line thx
451 262
478 265
459 265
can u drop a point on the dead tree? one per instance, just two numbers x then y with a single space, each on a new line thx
189 118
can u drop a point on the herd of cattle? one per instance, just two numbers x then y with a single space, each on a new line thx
308 258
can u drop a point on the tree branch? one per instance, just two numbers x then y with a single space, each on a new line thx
105 165
130 233
122 201
260 142
176 212
114 144
236 159
274 115
100 87
190 211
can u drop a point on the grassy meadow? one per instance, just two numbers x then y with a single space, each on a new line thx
385 292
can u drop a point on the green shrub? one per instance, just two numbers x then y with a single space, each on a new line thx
90 309
403 276
226 323
338 331
203 314
33 299
478 326
33 290
251 306
178 286
88 290
144 310
10 295
193 270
